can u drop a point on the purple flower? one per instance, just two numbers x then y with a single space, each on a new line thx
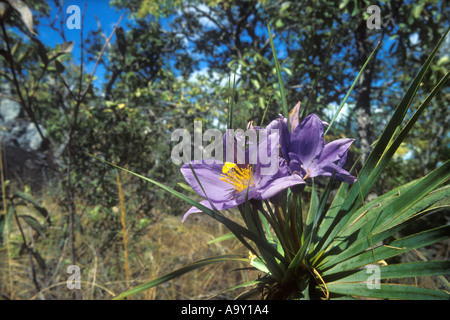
226 184
305 150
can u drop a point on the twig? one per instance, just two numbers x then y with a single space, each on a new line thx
80 96
124 230
6 230
69 189
101 54
30 252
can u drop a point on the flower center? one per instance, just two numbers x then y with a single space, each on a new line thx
239 178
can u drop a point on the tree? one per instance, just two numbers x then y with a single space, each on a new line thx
321 45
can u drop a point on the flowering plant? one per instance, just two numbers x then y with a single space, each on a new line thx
327 250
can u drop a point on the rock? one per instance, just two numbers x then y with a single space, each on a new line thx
30 139
15 129
22 144
9 111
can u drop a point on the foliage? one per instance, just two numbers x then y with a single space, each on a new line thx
320 256
175 62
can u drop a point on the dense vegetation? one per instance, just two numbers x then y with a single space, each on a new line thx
166 65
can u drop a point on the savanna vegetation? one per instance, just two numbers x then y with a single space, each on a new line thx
119 95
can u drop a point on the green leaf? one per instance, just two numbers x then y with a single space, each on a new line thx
351 88
308 234
243 285
65 48
39 259
378 157
339 214
256 84
224 237
396 247
280 79
365 241
343 4
385 212
234 227
260 265
33 223
29 198
174 274
42 52
186 187
25 13
5 224
417 9
396 271
387 291
59 67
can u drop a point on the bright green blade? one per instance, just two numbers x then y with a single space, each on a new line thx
397 271
387 291
351 88
224 237
389 210
186 187
346 204
396 247
363 242
243 285
231 104
280 78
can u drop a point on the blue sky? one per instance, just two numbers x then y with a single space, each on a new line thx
107 16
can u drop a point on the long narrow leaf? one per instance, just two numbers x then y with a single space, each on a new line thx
397 247
237 229
378 158
224 237
280 79
351 87
385 211
179 272
366 241
387 291
397 271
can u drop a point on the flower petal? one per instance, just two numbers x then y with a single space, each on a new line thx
307 140
281 125
341 174
209 176
246 194
206 203
278 185
336 150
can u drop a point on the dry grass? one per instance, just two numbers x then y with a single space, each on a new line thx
161 246
154 247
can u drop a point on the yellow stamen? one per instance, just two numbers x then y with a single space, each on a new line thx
239 178
228 166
